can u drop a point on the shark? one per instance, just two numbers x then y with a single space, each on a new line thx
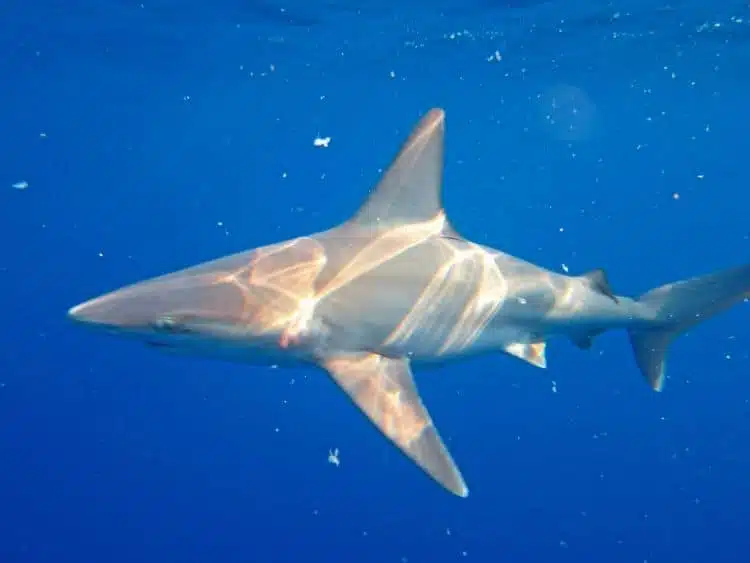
393 287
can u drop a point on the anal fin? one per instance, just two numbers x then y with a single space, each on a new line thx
532 352
585 341
383 388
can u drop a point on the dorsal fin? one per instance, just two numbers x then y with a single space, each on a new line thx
598 281
410 191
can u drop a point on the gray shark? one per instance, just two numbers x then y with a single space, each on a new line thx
394 286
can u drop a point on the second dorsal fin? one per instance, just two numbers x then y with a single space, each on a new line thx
597 279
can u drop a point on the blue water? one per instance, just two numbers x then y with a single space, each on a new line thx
579 134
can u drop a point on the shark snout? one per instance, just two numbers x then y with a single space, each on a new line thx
82 312
113 311
150 304
120 310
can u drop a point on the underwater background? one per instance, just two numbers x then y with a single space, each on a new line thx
143 137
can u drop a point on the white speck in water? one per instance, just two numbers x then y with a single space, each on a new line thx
333 457
496 57
322 142
21 185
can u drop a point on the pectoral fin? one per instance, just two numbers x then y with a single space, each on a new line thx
383 388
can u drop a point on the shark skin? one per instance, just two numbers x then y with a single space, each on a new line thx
396 286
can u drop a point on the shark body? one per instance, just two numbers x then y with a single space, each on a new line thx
392 287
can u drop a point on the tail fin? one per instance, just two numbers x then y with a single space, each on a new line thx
679 306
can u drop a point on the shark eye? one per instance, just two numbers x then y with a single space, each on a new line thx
169 325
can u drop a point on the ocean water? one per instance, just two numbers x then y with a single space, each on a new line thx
142 137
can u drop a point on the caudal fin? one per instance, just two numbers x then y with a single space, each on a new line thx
679 306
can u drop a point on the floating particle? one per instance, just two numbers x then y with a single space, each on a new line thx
333 457
565 268
675 196
392 74
322 142
21 185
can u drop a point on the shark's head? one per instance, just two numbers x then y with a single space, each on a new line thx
231 308
331 298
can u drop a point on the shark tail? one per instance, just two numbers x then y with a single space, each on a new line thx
677 307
